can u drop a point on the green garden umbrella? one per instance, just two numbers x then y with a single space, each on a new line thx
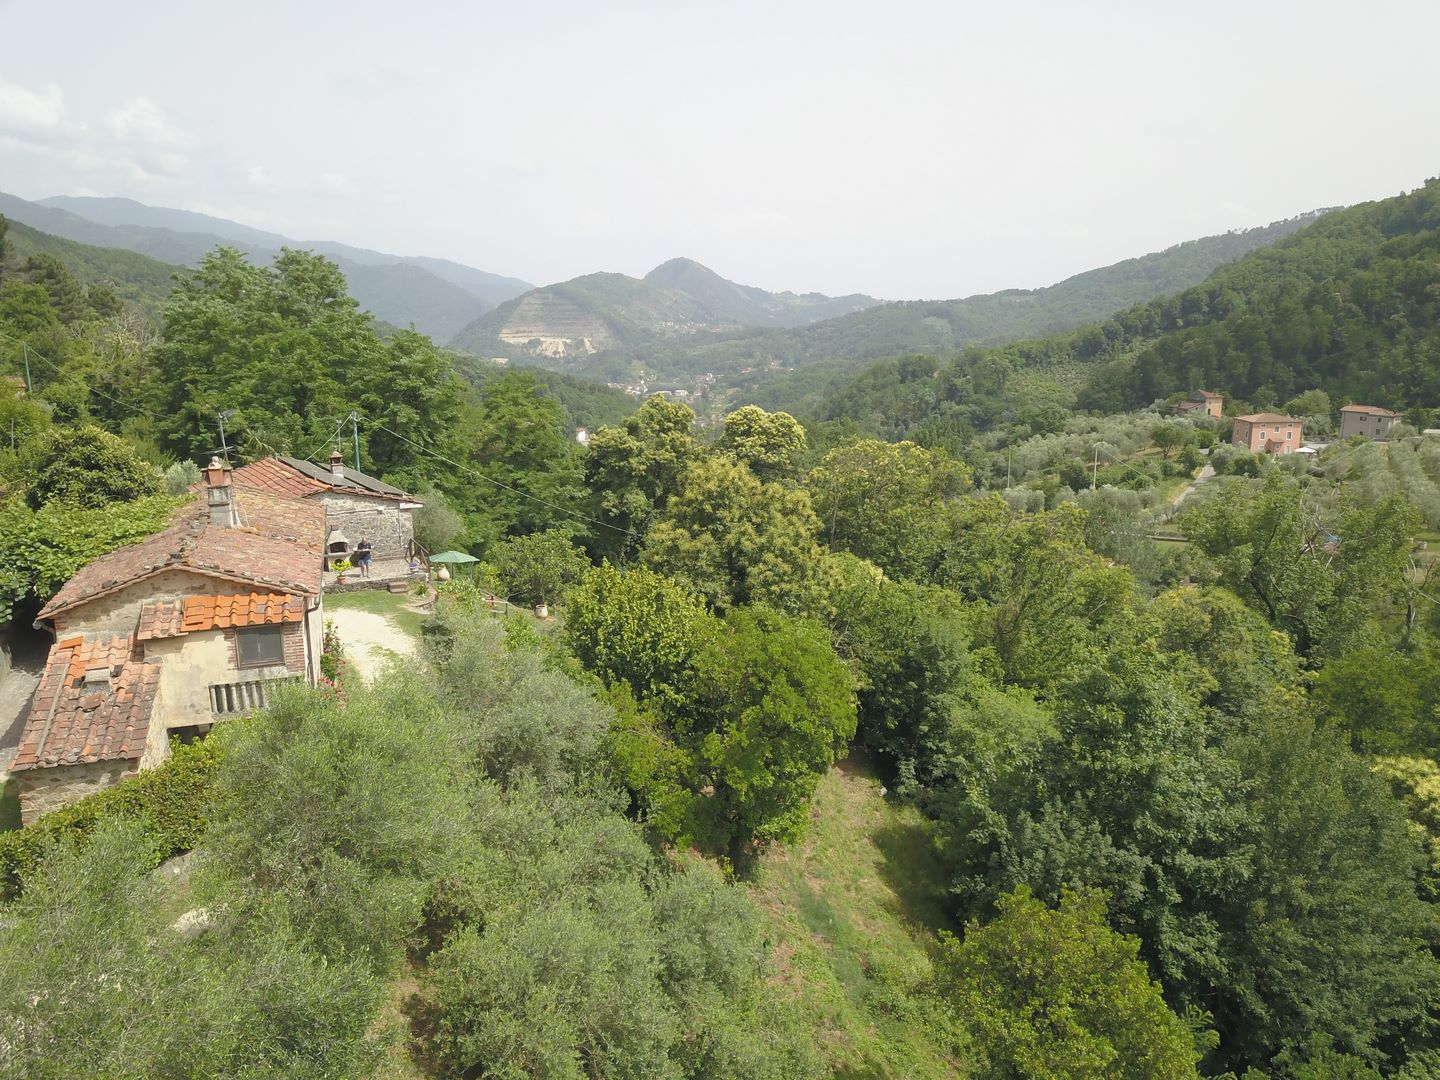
453 557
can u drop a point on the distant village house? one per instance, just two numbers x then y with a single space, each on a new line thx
1368 420
1267 433
1201 403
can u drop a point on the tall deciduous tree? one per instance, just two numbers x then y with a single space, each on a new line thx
882 501
737 540
768 443
1054 992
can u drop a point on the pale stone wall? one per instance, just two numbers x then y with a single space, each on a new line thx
389 527
118 612
43 790
1374 427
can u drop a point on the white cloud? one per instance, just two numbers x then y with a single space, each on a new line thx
31 112
142 120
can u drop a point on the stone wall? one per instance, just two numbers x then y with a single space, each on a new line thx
389 527
118 612
43 790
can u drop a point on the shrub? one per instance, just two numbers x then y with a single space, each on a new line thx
171 802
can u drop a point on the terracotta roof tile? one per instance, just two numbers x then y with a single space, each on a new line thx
1368 410
71 723
272 474
159 619
246 609
278 545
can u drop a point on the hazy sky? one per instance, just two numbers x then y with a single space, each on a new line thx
902 149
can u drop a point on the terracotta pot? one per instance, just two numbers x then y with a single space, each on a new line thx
442 574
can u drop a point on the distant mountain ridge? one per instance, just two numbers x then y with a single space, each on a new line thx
439 296
606 312
682 318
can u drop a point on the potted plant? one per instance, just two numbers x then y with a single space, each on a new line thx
341 566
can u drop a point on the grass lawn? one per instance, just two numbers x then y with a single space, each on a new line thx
853 908
393 606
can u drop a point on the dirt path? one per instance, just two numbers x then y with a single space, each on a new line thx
369 640
1207 473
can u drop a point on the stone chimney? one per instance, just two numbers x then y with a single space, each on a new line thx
337 467
219 495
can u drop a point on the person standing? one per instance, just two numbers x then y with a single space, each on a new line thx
363 551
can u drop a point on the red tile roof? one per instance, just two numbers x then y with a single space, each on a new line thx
209 612
278 546
71 723
1205 394
272 474
301 478
1368 410
1268 418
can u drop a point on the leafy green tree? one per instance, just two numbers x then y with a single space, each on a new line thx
437 524
517 439
1385 699
768 443
631 470
89 951
1055 992
540 567
737 540
335 817
89 468
881 501
43 548
1047 600
908 646
637 628
1324 589
768 709
1169 436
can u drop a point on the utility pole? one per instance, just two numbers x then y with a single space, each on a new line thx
224 448
25 355
355 434
1095 467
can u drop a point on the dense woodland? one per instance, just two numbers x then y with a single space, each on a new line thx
1183 802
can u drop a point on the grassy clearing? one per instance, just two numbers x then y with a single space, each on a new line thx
396 607
853 909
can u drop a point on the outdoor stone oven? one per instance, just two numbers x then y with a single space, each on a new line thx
337 547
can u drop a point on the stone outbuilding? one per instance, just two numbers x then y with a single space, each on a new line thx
356 505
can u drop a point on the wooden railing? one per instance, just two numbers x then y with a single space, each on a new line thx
236 698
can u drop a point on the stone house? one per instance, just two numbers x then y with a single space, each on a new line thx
162 639
356 505
1268 433
1368 420
1201 403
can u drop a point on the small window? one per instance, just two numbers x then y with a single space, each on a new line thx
260 646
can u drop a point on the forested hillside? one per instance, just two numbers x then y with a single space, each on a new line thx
1145 815
436 295
620 317
142 281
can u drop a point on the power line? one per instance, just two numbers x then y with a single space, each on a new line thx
74 375
504 486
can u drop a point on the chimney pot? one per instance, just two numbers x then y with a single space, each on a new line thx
218 494
337 466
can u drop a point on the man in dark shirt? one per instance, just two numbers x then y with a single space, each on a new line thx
362 556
